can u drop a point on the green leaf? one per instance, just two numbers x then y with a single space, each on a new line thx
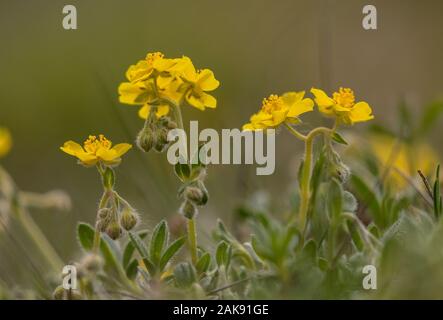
184 274
158 241
183 171
85 237
310 250
130 248
150 266
368 197
335 200
355 235
203 263
338 138
138 244
223 254
171 251
131 269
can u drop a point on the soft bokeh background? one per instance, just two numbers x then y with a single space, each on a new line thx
58 85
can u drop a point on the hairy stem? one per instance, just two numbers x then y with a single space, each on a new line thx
306 171
192 240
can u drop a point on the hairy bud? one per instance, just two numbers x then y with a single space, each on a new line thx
113 230
146 139
188 209
128 218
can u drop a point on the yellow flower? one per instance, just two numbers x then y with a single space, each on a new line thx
277 109
144 68
406 158
5 141
160 81
199 82
342 105
96 150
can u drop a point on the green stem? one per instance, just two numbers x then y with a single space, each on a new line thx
192 240
192 233
32 229
103 202
306 171
38 238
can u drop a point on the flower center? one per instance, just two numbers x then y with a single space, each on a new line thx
272 103
92 144
152 57
344 97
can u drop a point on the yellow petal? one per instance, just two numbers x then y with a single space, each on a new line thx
303 106
139 71
144 111
130 93
278 117
87 159
324 102
121 148
360 112
208 100
188 70
290 98
194 101
207 81
162 110
72 148
248 127
164 64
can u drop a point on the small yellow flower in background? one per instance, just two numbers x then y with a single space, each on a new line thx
5 141
342 105
159 81
406 158
96 149
278 109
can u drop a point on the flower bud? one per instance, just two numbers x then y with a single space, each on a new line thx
103 219
59 293
113 230
128 218
146 139
91 263
194 195
162 140
188 209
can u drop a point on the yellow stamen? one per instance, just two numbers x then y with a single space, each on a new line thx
344 97
272 103
92 144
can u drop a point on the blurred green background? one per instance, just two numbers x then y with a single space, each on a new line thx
58 85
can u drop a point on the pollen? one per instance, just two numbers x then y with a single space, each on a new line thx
344 97
92 144
272 103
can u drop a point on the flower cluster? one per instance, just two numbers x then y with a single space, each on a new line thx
5 141
288 107
158 82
